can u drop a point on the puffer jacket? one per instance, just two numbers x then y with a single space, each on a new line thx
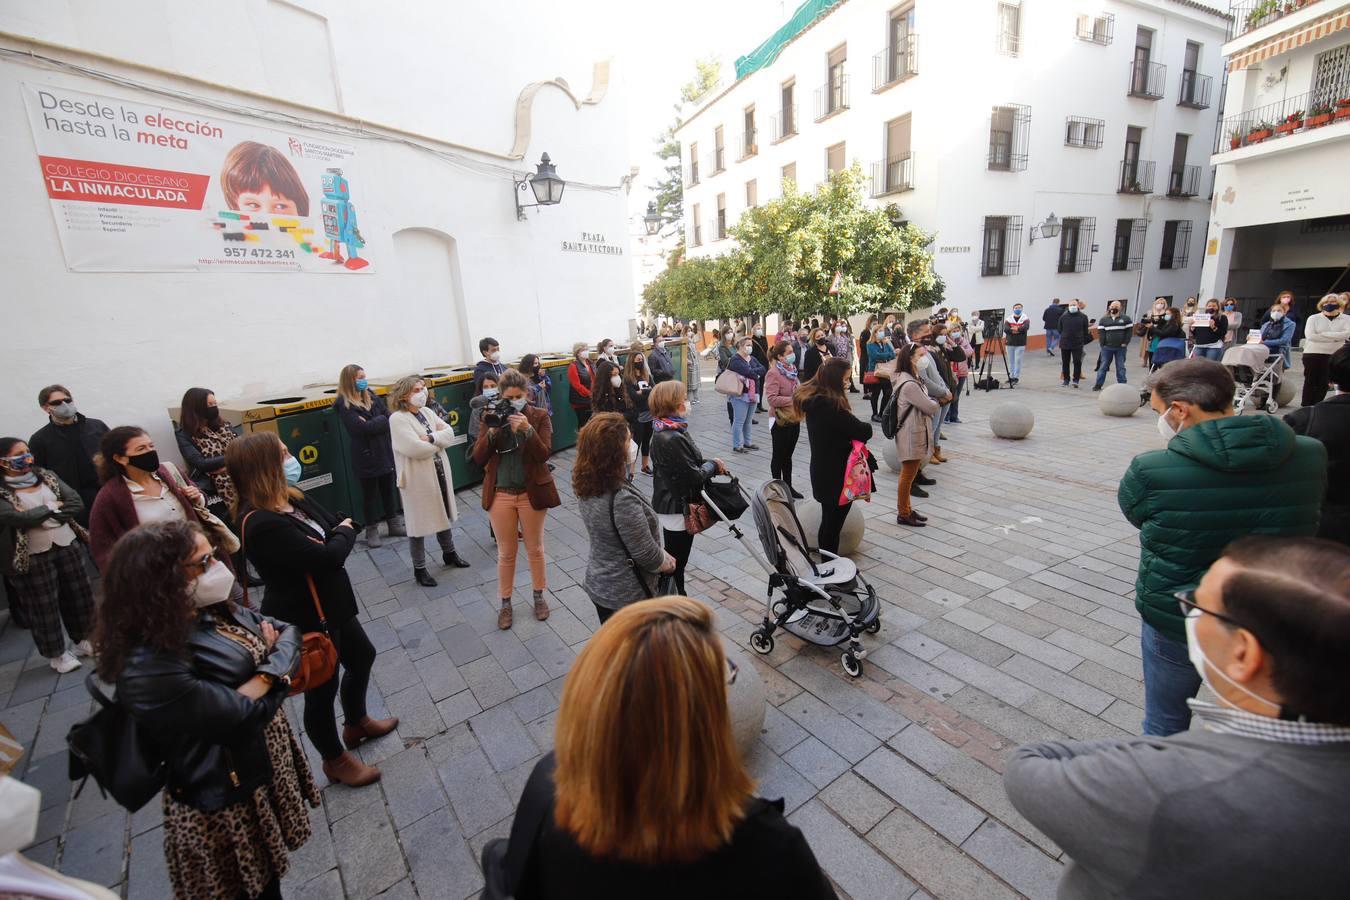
211 735
1215 482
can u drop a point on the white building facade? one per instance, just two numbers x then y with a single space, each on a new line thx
434 114
980 120
1281 217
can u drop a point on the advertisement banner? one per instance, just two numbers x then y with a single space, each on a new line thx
136 187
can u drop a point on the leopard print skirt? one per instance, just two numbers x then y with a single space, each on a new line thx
238 850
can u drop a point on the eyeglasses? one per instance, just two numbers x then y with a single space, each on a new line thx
201 564
1186 600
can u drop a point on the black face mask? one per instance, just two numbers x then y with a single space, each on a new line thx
146 462
1115 312
213 414
821 342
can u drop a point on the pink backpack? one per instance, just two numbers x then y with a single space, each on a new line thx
857 476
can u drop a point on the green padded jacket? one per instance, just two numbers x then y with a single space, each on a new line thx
1216 481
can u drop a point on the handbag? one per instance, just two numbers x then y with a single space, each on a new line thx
726 497
221 534
698 517
885 369
318 656
665 583
857 476
729 384
787 415
111 747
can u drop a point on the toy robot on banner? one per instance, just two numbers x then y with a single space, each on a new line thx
339 221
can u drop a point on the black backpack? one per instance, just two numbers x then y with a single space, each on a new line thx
890 427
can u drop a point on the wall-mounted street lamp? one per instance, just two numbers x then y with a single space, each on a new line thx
653 220
547 187
1047 229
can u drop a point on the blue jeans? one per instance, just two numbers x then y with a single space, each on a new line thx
742 418
1051 339
1214 353
1015 361
1169 681
1108 354
938 418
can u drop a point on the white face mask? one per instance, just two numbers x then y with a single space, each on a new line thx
418 399
212 587
759 332
1277 315
841 329
1165 428
745 351
615 380
1196 653
495 356
940 339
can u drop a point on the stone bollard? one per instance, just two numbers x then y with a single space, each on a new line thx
1013 421
1287 392
849 539
890 456
1119 400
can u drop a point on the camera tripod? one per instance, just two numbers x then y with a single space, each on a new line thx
985 380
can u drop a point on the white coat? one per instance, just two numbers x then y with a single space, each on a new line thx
424 511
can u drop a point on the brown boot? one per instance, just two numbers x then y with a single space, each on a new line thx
367 729
504 615
540 606
349 770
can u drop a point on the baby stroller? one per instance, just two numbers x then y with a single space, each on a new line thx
814 594
1257 373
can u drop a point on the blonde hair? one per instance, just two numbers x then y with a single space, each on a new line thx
668 785
579 346
666 398
347 387
1338 299
398 394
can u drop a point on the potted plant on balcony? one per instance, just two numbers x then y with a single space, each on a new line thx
1259 132
1291 123
1234 138
1343 108
1319 115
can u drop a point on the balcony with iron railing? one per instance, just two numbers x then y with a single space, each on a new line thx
749 144
719 160
693 173
1249 15
1183 181
784 123
1194 90
893 176
1326 108
1136 177
1147 80
894 64
832 97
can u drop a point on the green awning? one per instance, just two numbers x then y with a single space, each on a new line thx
768 51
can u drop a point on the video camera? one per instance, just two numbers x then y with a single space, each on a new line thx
495 416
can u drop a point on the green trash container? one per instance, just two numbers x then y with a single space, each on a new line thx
451 385
380 387
307 425
555 366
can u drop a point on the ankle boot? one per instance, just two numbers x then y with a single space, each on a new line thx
423 577
396 526
349 770
373 537
911 520
367 729
504 615
452 558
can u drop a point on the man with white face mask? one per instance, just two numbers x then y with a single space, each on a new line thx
1220 477
1251 801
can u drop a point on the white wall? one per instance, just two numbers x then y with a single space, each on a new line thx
128 344
960 78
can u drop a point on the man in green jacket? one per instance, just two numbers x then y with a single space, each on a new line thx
1221 477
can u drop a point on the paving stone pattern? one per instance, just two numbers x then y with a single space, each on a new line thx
1008 619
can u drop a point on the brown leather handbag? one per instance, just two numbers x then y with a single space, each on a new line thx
318 656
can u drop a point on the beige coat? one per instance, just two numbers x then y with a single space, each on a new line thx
914 440
415 467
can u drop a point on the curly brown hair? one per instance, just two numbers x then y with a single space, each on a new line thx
145 594
602 456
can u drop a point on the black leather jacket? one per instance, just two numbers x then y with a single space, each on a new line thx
678 470
210 734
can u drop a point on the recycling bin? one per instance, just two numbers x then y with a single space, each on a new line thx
555 365
451 386
380 387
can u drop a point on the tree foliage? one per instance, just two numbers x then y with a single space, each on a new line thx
669 187
788 251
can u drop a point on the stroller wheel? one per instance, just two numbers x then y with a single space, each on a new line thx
874 627
852 665
761 643
1272 406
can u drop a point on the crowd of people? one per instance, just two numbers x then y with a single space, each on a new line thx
173 556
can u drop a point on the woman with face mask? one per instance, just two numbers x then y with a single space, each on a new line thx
637 383
679 472
202 437
1208 333
1156 317
300 549
693 370
518 490
137 489
580 384
609 394
423 475
206 679
1325 332
784 427
1171 341
841 347
743 405
540 385
816 352
1278 333
1015 330
41 558
1234 317
366 419
880 352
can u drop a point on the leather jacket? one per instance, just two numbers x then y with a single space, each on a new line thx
210 734
679 470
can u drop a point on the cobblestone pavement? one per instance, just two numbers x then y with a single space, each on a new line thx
1008 619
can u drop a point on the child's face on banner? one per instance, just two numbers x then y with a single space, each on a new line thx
264 202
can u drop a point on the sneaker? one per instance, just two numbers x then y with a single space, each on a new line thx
1064 384
64 663
1096 387
739 450
752 446
1075 385
84 648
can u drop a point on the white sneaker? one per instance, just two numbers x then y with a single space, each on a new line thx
84 648
66 662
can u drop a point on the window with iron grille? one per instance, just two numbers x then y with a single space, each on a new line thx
1009 137
1098 29
789 174
1331 76
1001 249
834 158
1009 38
693 163
1080 131
1176 248
1138 239
1120 245
1075 244
721 217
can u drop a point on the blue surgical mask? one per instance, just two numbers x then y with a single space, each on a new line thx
789 358
518 404
490 393
292 468
362 384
